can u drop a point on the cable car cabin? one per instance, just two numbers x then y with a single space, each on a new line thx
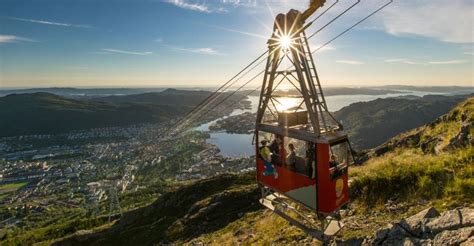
313 173
302 152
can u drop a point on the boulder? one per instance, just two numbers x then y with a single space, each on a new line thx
462 137
415 224
382 234
425 242
404 241
454 237
396 235
433 141
467 216
449 220
356 241
468 242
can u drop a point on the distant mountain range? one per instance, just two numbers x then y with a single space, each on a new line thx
46 113
328 91
166 97
438 89
86 92
79 92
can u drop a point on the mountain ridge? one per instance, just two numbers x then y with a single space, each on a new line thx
383 119
24 114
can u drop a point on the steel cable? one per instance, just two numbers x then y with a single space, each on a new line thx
208 100
201 106
331 40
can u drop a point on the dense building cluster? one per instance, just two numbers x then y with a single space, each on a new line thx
81 170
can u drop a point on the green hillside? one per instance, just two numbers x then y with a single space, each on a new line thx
370 124
433 162
44 113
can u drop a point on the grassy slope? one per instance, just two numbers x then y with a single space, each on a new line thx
413 170
383 119
183 214
223 210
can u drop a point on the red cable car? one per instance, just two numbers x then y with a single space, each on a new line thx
302 152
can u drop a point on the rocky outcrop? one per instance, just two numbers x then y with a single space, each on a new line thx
463 137
428 227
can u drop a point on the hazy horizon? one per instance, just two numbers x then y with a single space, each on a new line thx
214 87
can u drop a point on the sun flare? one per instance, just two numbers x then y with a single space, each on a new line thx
285 42
286 103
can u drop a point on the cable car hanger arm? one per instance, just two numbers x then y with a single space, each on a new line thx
313 6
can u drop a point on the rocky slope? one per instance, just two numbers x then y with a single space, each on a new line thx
428 227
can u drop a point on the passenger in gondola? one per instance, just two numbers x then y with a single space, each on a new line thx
333 161
310 160
291 158
266 156
275 149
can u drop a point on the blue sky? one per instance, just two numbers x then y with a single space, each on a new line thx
192 43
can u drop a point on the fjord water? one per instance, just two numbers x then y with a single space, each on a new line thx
241 144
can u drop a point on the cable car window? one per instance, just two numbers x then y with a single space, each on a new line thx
340 154
297 156
340 158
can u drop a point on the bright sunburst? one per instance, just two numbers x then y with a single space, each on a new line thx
285 42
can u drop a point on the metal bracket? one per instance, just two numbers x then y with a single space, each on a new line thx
330 224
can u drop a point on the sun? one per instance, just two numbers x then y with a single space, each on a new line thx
285 42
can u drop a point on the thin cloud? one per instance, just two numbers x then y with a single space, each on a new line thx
44 22
431 18
13 39
214 6
401 60
159 40
202 51
126 52
188 5
240 32
448 62
350 62
323 49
